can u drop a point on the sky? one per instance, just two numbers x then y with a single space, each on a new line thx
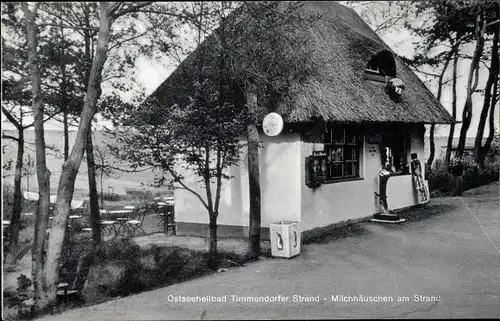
151 73
403 42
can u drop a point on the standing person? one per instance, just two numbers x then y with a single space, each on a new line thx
457 170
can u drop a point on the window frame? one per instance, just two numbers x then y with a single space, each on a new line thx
347 144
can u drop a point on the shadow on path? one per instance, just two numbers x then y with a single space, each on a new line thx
427 211
335 233
415 214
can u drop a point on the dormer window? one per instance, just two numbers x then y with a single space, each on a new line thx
382 68
384 63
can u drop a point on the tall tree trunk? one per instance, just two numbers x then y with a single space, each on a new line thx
43 174
212 251
439 94
480 151
102 187
66 133
432 144
85 262
253 174
15 220
491 135
64 100
94 200
218 166
71 166
449 144
472 83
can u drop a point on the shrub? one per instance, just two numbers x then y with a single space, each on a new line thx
23 283
440 180
14 299
121 257
176 263
492 159
474 175
122 268
117 249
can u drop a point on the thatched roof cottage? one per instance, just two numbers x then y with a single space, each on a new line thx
350 117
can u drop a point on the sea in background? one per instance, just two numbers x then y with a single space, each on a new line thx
117 183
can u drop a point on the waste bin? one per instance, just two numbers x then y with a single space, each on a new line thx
285 239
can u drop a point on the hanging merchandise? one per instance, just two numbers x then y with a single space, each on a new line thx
418 180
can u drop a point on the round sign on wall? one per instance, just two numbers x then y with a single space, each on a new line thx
272 124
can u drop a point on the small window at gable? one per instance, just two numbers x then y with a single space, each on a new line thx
381 65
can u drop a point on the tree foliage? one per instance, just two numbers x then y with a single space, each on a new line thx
384 16
446 28
199 132
95 36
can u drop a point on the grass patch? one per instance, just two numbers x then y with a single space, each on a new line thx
122 268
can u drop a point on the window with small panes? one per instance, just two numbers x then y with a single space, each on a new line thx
342 148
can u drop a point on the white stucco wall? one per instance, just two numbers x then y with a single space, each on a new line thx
341 201
336 202
285 195
280 178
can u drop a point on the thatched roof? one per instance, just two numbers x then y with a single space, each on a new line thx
337 92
